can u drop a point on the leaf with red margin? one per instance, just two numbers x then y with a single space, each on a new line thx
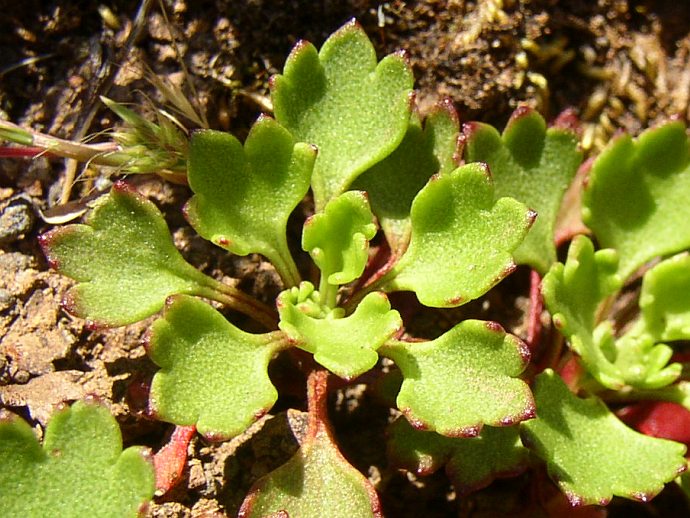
590 453
532 164
124 259
340 99
213 375
471 463
393 183
464 379
243 195
635 200
81 469
462 239
317 481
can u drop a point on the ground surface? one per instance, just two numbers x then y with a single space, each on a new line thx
620 64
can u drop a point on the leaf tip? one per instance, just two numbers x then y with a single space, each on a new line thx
121 186
45 241
417 424
494 327
215 437
567 120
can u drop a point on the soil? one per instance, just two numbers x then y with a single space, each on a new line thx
621 64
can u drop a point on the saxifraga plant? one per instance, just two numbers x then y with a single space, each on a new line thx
470 399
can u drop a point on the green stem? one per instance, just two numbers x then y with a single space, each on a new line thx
329 292
287 269
239 301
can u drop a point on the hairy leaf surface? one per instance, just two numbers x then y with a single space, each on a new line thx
124 259
354 110
590 453
244 195
80 470
665 299
393 183
464 379
636 196
471 462
572 293
462 239
338 238
532 164
213 375
345 346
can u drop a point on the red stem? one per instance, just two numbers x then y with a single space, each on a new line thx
536 306
169 462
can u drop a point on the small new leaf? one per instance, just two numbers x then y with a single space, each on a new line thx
355 111
124 259
462 239
464 379
590 453
393 183
635 199
80 470
338 238
244 195
213 375
572 293
471 462
665 299
345 346
532 164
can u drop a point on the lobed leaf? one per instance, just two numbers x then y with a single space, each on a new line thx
393 183
642 362
590 453
213 375
464 379
355 110
471 462
317 481
572 293
80 470
244 195
338 238
665 299
532 164
461 239
635 197
124 260
345 346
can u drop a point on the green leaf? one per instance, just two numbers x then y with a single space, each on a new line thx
636 196
124 259
464 379
393 183
213 375
590 453
354 110
572 293
532 164
316 482
338 238
642 361
665 299
80 470
461 239
345 346
471 463
244 195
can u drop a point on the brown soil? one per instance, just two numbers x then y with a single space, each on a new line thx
619 63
